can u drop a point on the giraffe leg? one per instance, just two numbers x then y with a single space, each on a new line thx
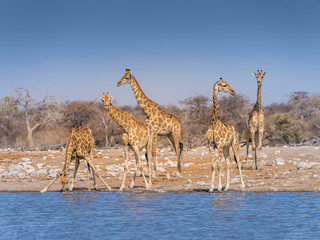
94 170
226 155
220 154
154 154
213 166
139 166
260 146
254 152
247 146
49 185
126 149
76 167
174 138
235 148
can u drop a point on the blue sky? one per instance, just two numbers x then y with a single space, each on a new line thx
175 49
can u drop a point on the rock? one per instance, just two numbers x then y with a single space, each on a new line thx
201 183
279 161
168 176
304 165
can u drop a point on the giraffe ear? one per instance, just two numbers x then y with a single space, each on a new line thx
111 98
264 73
254 74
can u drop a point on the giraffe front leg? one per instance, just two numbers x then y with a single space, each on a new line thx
220 154
76 167
154 155
227 158
260 147
254 151
98 175
126 149
139 166
213 167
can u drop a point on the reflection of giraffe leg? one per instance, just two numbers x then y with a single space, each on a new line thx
76 167
213 166
235 148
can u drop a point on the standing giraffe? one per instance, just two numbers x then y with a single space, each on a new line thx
159 122
135 136
80 146
221 136
255 123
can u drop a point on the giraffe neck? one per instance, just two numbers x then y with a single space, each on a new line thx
120 117
215 114
145 103
258 103
69 150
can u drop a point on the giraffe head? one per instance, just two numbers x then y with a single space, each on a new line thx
222 86
127 77
64 181
106 99
259 76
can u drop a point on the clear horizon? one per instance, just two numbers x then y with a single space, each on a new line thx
175 49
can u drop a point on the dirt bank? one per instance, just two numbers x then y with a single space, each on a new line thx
284 169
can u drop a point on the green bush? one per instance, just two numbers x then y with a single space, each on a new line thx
282 130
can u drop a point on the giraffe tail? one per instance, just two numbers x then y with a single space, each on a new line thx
181 148
89 168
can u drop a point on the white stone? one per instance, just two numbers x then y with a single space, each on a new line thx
279 161
201 183
304 165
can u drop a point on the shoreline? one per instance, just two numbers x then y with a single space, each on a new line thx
285 169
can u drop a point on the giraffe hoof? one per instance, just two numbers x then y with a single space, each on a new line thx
211 190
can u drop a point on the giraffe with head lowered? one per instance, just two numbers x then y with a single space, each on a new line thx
135 137
221 136
159 122
80 146
255 124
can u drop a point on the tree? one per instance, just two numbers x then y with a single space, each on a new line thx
36 112
283 130
197 108
302 106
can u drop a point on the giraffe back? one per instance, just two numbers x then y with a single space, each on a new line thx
81 142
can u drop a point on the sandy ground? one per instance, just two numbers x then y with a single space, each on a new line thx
284 169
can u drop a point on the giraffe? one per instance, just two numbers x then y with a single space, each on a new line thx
80 146
135 136
255 123
221 136
158 122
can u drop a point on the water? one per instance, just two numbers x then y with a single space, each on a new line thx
160 216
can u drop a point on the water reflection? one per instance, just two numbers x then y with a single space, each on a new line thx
159 216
